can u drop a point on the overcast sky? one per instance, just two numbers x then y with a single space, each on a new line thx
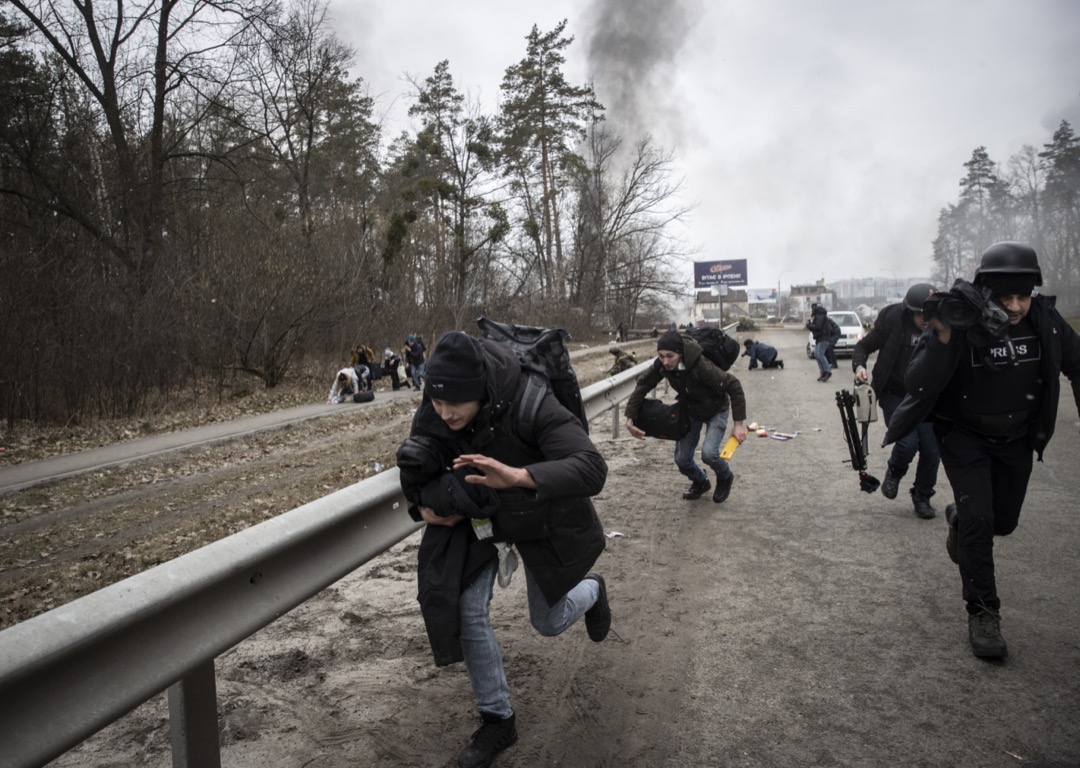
817 139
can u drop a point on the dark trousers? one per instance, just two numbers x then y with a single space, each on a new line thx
989 481
920 440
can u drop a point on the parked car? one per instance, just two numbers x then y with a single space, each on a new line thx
851 331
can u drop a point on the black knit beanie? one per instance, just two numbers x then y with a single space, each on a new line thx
455 369
670 341
1008 284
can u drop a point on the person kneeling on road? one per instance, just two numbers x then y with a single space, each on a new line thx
709 394
535 476
346 384
759 350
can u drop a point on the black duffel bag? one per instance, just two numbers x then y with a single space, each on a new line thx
667 421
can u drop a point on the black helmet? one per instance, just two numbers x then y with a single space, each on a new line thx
916 295
1010 259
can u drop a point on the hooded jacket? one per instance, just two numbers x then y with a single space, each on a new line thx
823 327
934 364
701 386
555 527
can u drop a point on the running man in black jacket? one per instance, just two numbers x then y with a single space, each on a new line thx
894 336
994 402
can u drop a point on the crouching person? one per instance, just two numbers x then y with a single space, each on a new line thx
483 477
710 395
346 384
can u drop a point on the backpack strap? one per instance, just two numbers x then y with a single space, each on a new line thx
530 402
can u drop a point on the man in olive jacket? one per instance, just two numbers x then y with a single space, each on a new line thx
542 468
710 395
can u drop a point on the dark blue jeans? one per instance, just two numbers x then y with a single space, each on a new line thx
921 440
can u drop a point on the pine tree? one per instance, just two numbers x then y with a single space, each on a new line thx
543 119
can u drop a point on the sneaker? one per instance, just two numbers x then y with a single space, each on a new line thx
950 540
780 364
723 489
697 489
890 486
598 618
984 631
922 506
495 735
826 376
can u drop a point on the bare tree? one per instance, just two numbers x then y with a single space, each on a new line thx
628 209
134 59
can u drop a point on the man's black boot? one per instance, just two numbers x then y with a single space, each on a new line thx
697 489
984 630
890 486
922 505
495 735
723 489
598 618
780 364
950 540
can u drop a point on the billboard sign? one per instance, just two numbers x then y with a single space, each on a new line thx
710 273
761 296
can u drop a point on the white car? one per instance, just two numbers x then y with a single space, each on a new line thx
851 331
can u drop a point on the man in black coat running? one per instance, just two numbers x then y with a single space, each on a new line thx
994 400
894 336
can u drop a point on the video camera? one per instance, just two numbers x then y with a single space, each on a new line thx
968 306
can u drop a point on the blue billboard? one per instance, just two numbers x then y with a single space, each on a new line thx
710 273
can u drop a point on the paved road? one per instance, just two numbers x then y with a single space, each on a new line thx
20 476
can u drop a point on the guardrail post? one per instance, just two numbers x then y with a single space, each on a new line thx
614 421
193 719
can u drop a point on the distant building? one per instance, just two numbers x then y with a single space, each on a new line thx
802 296
874 291
707 307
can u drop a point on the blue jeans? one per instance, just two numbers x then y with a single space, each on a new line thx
920 440
417 371
821 350
483 659
710 449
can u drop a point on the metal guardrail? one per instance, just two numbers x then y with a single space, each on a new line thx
66 674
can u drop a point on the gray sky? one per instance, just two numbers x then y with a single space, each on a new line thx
818 139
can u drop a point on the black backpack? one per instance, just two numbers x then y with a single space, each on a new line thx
720 348
543 353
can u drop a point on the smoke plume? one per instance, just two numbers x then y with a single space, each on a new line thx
633 49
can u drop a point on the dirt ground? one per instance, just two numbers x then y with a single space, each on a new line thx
801 623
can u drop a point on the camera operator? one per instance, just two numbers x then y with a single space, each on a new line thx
894 336
994 401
